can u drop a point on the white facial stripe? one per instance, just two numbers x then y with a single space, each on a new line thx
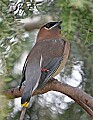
46 28
51 27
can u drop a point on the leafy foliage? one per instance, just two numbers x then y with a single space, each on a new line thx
77 17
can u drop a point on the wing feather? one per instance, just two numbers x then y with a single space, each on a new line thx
52 59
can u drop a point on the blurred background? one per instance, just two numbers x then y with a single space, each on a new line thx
20 21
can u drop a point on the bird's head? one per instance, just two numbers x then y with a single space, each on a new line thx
50 30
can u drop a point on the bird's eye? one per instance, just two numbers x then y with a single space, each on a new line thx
53 24
49 25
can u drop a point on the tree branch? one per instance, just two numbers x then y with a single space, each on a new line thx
82 98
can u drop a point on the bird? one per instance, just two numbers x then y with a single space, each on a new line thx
45 60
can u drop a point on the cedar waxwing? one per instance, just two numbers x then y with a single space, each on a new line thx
45 60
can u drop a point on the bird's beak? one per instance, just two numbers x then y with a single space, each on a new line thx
58 23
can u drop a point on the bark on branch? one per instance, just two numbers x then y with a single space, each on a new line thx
82 98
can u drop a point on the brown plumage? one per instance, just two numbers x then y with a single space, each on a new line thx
45 60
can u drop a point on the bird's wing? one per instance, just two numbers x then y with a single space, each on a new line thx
51 60
50 69
31 59
23 72
32 74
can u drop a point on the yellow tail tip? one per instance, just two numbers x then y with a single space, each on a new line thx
25 104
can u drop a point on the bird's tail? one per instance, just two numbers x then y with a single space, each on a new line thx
31 85
26 96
